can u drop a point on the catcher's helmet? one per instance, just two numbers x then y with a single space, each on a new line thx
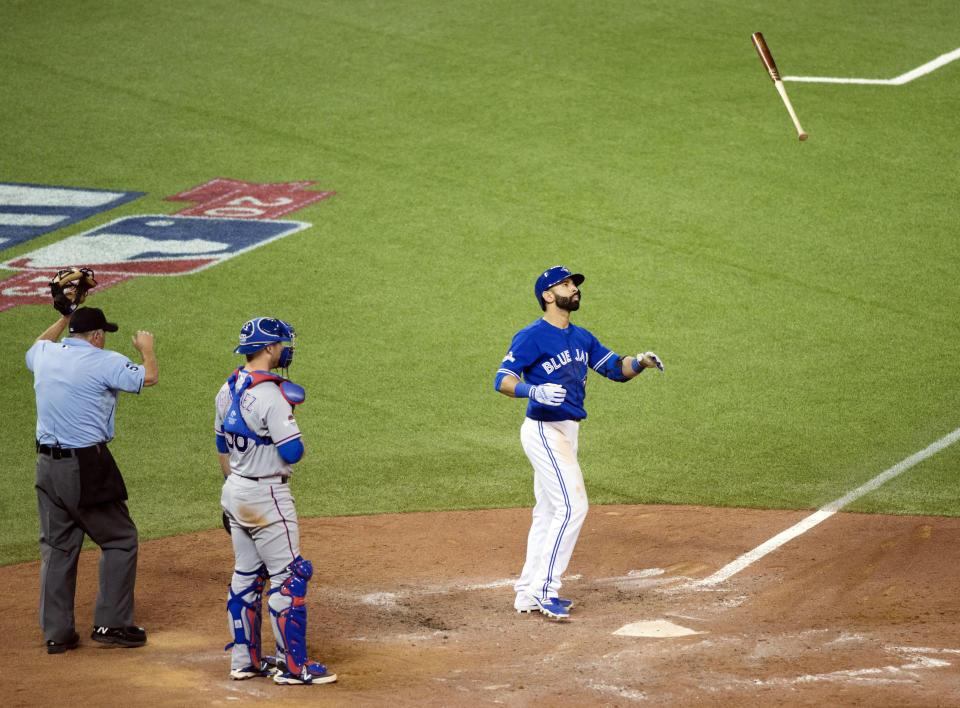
551 277
263 331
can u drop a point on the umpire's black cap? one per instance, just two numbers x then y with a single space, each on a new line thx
87 319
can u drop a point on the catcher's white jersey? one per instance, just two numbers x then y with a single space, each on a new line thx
269 416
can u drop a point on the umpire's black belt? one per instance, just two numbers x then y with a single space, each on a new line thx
59 453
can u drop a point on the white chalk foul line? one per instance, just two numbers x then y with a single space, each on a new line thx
826 512
930 66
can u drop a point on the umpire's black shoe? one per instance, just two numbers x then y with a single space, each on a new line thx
60 647
123 636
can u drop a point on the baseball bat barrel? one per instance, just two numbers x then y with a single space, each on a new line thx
764 51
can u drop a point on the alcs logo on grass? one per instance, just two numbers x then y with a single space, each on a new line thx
229 218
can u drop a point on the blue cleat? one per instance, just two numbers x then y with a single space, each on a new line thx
525 603
553 608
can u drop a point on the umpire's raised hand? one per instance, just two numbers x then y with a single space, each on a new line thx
143 343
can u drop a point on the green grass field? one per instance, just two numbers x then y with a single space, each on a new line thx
803 296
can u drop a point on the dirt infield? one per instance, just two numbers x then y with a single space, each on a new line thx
416 609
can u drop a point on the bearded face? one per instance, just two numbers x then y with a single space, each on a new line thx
570 304
566 295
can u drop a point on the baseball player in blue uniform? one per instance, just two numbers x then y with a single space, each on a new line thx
547 363
258 441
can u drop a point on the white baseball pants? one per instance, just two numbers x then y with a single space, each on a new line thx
561 505
265 531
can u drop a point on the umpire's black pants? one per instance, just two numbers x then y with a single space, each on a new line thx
62 527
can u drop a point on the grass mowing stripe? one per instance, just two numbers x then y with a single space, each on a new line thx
826 512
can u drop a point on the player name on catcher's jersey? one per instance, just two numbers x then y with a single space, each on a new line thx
269 415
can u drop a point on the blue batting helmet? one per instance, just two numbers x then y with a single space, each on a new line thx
551 277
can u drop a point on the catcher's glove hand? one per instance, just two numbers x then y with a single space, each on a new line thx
69 288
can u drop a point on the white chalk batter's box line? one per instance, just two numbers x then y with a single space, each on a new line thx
905 673
915 659
650 577
825 512
647 577
912 663
655 576
921 70
906 665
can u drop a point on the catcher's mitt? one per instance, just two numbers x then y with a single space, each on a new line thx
69 288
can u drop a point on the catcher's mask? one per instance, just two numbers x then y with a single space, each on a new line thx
263 331
551 277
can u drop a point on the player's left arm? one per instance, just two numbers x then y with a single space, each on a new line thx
631 366
616 368
282 426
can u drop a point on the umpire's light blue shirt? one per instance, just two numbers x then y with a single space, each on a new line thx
77 385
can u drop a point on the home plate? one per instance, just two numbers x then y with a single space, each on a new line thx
655 628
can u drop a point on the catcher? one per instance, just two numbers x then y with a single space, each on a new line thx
80 490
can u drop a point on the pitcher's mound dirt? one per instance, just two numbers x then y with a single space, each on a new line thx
417 609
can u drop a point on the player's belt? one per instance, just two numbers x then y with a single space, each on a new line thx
275 479
59 453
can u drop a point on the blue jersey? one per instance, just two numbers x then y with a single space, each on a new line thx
542 353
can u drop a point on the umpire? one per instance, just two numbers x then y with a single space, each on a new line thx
79 488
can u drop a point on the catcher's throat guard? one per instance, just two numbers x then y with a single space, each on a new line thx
234 422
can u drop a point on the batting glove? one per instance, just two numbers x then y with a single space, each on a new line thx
549 394
649 359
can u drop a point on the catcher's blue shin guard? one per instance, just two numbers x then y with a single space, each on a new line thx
244 610
291 622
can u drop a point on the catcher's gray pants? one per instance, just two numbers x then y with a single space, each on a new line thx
62 527
265 531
